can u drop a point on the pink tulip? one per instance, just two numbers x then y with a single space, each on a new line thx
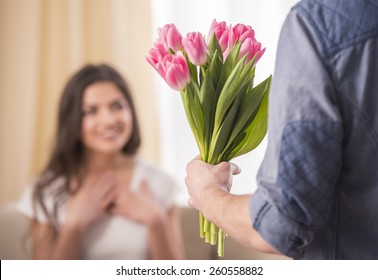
231 40
170 38
221 33
171 67
250 48
227 37
196 48
157 55
177 71
249 45
242 32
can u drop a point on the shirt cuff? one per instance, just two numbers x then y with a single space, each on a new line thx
282 233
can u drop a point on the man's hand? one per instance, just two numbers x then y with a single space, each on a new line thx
203 180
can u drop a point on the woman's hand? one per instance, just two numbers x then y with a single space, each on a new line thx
164 236
91 201
139 206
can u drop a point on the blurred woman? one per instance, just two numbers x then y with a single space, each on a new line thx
97 199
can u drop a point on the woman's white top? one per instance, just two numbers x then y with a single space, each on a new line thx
112 237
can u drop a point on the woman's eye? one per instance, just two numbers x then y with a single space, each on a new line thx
89 111
118 106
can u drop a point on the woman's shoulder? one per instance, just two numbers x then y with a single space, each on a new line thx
50 186
27 205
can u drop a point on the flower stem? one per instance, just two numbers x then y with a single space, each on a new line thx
221 243
201 225
212 234
206 227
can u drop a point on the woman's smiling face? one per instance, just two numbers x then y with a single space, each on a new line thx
107 119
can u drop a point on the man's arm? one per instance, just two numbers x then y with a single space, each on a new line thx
208 186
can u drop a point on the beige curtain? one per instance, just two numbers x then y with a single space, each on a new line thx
42 42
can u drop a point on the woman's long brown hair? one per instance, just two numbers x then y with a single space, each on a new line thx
68 150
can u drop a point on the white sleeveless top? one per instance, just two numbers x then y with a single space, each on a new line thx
112 237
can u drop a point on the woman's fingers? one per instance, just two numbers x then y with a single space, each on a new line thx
144 189
110 195
103 188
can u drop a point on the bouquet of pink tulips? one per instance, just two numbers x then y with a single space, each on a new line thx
227 114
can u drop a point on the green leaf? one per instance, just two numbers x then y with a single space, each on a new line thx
192 69
193 111
208 98
225 156
248 109
221 138
249 68
228 66
256 131
196 108
215 48
228 75
210 75
228 93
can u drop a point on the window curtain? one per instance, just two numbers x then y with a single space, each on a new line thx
42 43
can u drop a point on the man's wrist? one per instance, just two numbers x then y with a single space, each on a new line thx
213 202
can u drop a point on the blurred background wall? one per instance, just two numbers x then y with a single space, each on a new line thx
42 42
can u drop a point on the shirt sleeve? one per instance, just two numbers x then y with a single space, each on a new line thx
29 209
297 178
27 206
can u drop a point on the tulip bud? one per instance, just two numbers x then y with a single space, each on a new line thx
173 68
177 71
196 48
221 33
157 55
242 32
251 48
170 38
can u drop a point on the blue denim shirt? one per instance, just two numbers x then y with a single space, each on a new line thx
317 195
